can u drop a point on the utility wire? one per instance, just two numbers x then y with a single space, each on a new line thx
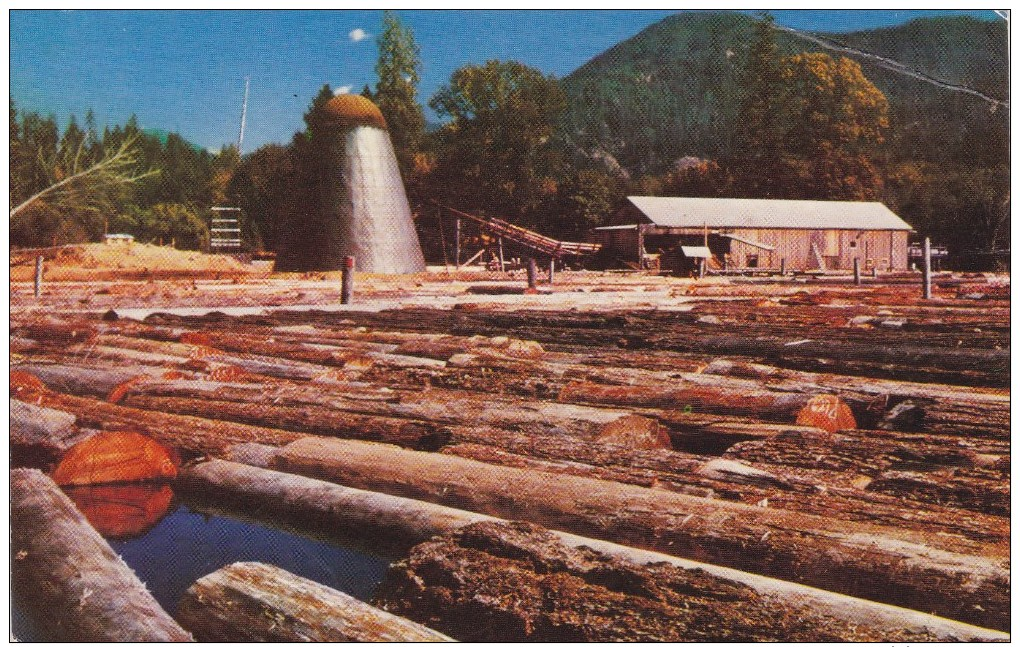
894 66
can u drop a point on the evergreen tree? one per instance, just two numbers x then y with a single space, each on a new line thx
396 90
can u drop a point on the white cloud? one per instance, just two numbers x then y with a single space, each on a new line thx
343 89
358 35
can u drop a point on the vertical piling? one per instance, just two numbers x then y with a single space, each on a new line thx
347 280
552 269
502 263
38 275
874 271
532 274
701 267
926 268
782 267
857 271
456 247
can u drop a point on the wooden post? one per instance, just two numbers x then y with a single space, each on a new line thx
456 247
926 268
857 271
641 246
552 269
502 264
701 267
38 275
782 267
874 271
68 579
347 281
532 274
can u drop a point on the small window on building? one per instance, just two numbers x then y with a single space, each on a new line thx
752 260
853 244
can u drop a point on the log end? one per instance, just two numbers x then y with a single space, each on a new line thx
827 412
634 432
116 457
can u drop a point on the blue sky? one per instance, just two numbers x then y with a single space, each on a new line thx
184 71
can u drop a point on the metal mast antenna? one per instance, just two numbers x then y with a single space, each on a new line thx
244 114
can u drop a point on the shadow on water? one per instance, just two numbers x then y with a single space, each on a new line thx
187 544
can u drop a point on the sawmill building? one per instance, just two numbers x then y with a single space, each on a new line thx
740 235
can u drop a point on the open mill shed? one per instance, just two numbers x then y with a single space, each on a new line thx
674 234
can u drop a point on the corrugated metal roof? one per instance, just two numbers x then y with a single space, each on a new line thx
698 251
738 213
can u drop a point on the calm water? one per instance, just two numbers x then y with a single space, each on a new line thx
186 545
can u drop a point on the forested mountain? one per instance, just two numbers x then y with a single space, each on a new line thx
674 90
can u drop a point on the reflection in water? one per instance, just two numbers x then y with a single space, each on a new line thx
122 511
169 546
186 545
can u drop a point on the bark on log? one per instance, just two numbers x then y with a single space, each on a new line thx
40 436
947 409
253 602
787 489
519 582
69 579
874 562
304 419
767 405
183 432
81 380
340 512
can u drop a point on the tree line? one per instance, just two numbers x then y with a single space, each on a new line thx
810 127
74 186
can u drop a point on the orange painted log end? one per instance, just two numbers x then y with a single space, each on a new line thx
635 432
23 382
827 412
196 338
118 392
116 457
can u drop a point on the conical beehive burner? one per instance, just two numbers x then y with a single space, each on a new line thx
367 198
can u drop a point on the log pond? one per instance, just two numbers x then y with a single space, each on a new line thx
187 544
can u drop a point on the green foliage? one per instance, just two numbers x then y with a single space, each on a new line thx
494 154
164 223
396 91
82 183
261 187
306 234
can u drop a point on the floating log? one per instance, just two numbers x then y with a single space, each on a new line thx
876 562
182 432
123 511
783 489
518 582
342 513
253 602
40 436
68 578
116 457
946 409
766 405
103 383
305 419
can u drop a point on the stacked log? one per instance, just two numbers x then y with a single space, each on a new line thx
248 602
879 563
69 580
518 582
40 436
342 512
